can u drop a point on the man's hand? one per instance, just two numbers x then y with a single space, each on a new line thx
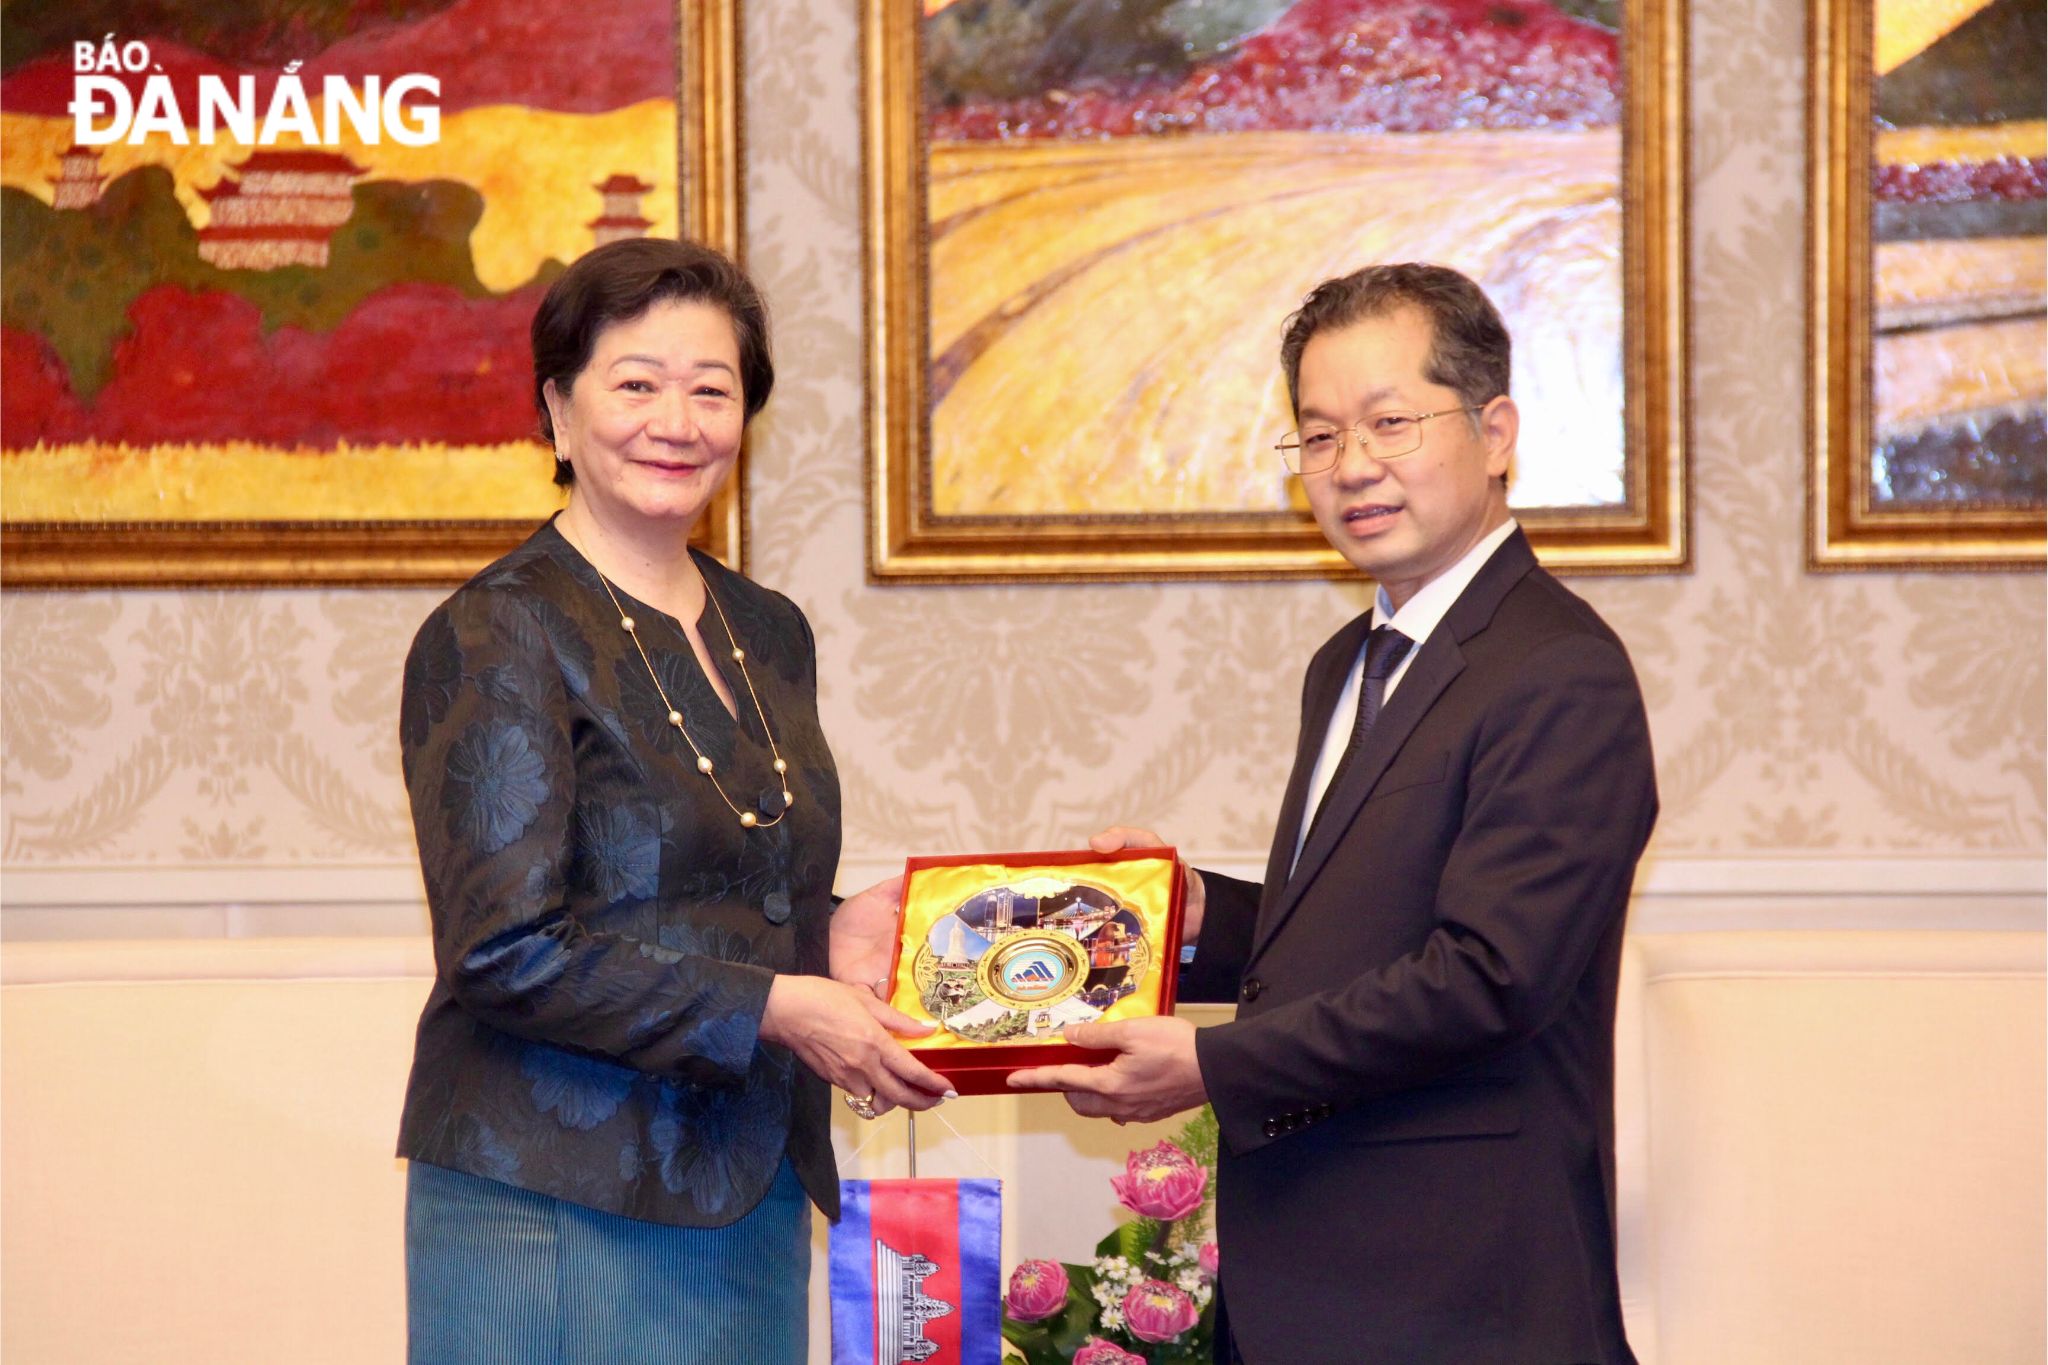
1154 1075
863 941
1193 895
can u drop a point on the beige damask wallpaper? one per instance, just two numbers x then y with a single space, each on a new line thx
1841 716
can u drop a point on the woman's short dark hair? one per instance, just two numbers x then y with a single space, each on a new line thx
1469 347
620 281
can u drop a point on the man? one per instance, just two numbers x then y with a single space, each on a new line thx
1416 1096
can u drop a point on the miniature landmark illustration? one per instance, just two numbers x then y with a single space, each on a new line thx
79 181
1025 959
621 218
902 1306
281 208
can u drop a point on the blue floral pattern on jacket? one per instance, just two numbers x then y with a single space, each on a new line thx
605 931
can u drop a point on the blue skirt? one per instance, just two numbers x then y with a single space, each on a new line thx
496 1275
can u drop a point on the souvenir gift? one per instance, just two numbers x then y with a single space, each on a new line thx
1003 951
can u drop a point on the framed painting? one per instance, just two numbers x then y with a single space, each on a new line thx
1086 222
1926 284
270 271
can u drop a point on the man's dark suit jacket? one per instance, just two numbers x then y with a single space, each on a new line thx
1416 1096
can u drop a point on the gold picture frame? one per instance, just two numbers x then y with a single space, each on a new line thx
1647 530
56 553
1846 529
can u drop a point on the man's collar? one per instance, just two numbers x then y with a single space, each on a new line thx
1423 612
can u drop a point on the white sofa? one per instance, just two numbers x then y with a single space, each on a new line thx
1831 1149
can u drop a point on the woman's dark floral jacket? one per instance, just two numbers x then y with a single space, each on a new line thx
604 930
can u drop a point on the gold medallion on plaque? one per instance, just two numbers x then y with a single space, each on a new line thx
1032 971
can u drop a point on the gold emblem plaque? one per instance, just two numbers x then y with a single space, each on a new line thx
1002 956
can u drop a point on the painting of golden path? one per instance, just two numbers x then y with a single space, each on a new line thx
1088 221
1105 315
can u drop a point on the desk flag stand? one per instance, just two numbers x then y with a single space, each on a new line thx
916 1270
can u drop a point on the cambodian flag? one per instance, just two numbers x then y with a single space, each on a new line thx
917 1273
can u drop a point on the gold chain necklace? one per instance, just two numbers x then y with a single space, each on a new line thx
748 820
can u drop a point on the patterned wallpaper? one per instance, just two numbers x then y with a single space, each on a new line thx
1844 716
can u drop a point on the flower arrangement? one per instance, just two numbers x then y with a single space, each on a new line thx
1146 1298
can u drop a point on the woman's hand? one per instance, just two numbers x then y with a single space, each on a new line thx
1193 895
842 1033
863 943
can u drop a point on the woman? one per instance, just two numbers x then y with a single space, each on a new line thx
628 824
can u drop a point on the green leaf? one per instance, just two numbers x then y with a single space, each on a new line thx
1129 1240
1200 1138
1034 1342
1077 1323
1026 1336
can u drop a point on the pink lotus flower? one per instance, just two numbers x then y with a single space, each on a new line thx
1161 1182
1096 1351
1157 1311
1206 1258
1038 1289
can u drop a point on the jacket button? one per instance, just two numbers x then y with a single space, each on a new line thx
1272 1128
1251 989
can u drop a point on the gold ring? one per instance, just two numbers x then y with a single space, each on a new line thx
863 1105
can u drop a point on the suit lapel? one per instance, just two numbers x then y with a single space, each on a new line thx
1427 677
1439 661
1325 685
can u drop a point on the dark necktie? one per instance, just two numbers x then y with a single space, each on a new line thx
1384 650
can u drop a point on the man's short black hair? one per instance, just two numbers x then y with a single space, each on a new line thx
1469 348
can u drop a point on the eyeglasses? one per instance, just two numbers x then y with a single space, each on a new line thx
1384 435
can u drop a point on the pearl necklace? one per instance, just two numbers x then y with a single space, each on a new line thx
748 820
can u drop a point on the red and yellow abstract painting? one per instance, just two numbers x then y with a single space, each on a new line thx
330 329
